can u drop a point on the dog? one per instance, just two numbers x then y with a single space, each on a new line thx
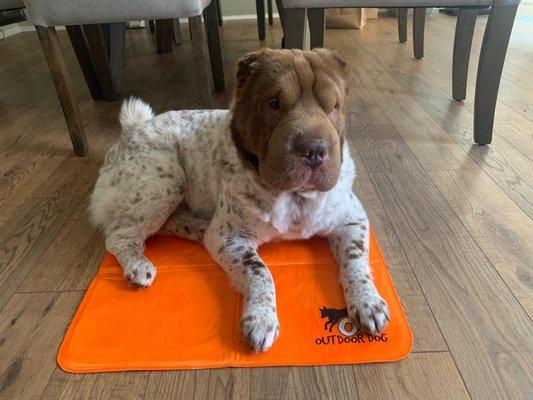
275 166
333 315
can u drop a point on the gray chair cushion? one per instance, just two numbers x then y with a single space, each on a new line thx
393 3
74 12
11 4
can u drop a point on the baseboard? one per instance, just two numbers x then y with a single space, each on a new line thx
10 30
246 16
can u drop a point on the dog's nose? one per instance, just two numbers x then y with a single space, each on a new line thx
314 152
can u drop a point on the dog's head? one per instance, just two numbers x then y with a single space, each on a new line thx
288 117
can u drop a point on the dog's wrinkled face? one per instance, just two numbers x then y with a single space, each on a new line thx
288 117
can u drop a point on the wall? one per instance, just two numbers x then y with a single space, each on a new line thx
241 7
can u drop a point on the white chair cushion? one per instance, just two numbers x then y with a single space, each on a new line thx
74 12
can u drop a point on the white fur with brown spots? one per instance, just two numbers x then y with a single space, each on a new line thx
179 173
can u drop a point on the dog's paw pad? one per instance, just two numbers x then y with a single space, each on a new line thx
260 329
370 313
140 275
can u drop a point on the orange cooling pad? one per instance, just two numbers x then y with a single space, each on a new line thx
189 317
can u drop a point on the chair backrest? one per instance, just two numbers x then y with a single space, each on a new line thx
394 3
11 4
76 12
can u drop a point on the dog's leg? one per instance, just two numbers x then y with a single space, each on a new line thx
134 209
184 224
349 243
237 255
128 249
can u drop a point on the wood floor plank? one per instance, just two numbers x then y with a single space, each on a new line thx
426 333
509 168
116 386
26 236
433 374
473 307
71 261
500 227
199 384
32 326
334 382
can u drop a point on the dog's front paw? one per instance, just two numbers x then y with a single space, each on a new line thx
370 312
260 327
140 274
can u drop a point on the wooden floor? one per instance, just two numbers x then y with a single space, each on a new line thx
454 220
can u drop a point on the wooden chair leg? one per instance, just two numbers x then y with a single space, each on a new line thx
281 13
213 43
164 31
58 70
77 39
220 19
270 15
177 31
402 24
489 71
98 46
317 26
151 24
117 38
419 22
294 28
464 32
201 60
260 9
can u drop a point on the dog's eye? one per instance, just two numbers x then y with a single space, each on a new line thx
273 103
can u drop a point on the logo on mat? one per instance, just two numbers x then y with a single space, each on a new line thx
346 329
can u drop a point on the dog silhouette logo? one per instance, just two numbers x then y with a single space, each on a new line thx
347 330
333 315
339 318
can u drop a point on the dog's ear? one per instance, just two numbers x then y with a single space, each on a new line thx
334 62
332 55
249 63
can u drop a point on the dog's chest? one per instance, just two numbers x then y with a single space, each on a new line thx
294 216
